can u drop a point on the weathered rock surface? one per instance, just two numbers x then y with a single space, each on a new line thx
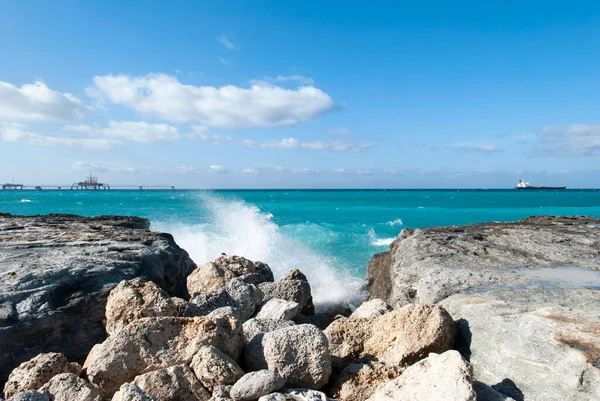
33 374
215 275
296 394
278 309
176 383
292 290
137 298
539 344
238 294
221 393
430 264
408 334
358 380
56 272
153 343
213 368
346 338
437 377
254 332
131 392
254 385
370 309
299 354
69 387
29 395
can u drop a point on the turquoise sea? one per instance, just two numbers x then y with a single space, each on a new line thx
328 234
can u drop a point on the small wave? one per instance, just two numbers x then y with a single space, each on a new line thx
397 222
26 201
379 241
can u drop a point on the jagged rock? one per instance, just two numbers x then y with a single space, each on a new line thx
33 374
296 394
213 368
137 298
291 290
346 338
238 294
278 309
254 331
215 275
221 393
224 311
176 383
254 385
70 387
299 354
158 342
538 343
56 272
438 377
408 334
131 392
29 395
357 381
370 309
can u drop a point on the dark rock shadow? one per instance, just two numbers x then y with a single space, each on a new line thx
462 342
509 388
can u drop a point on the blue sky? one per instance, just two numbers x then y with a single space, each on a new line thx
262 94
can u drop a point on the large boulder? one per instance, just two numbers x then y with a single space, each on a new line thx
346 338
299 354
292 290
213 368
359 380
238 294
254 332
215 275
176 383
70 387
131 392
437 377
278 309
137 298
254 385
56 272
539 344
154 343
408 334
370 309
33 374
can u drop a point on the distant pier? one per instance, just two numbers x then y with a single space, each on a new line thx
91 183
12 186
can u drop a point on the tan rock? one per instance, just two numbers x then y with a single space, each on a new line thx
409 334
131 392
33 374
138 298
213 368
438 377
369 309
216 274
159 342
359 380
176 383
347 337
70 387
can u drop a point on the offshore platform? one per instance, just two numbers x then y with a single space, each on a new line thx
90 182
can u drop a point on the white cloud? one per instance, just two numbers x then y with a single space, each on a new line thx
228 106
250 171
576 139
14 132
227 42
37 102
292 143
136 131
216 168
340 132
202 133
101 167
291 78
470 147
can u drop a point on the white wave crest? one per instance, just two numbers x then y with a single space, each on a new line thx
379 241
237 228
26 201
397 222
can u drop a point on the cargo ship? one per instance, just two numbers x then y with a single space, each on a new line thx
524 185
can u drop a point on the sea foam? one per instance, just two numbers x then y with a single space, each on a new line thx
238 228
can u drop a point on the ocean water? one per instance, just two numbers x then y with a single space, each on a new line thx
328 234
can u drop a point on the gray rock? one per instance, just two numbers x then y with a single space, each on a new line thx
438 377
214 369
291 290
254 331
176 383
238 294
221 393
70 387
254 385
29 395
541 344
296 394
299 354
56 272
278 309
370 309
131 392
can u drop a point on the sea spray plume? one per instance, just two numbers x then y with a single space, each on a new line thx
379 241
238 228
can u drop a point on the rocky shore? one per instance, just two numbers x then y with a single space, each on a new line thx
104 309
